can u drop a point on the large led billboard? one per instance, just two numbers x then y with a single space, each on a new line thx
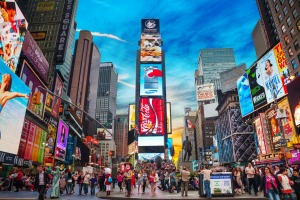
14 99
151 141
58 88
131 120
294 100
244 93
12 30
150 26
260 136
151 81
169 118
282 64
37 96
150 156
62 140
271 77
151 116
151 48
104 134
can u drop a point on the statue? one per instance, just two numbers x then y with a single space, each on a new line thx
55 183
187 146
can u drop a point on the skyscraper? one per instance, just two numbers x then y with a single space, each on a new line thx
259 38
121 131
52 24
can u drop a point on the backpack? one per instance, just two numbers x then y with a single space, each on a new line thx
110 180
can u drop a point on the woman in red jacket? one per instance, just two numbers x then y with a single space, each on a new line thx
108 180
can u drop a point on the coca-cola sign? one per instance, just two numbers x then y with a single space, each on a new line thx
152 116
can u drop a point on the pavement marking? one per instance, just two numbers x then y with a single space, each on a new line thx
172 195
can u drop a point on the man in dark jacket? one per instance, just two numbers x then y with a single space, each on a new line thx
296 186
41 182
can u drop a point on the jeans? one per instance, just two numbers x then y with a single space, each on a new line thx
167 184
173 183
251 182
288 196
128 185
85 188
162 183
93 189
41 190
207 188
184 187
273 195
144 186
69 187
80 188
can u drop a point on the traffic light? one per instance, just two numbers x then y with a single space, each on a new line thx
111 153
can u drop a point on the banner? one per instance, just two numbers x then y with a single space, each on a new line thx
14 95
260 136
205 92
169 118
244 93
274 128
36 144
24 136
152 116
42 146
45 6
30 141
61 142
151 80
104 134
151 48
70 150
58 88
220 183
282 65
131 121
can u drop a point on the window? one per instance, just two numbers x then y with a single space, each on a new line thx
283 29
295 13
281 2
287 39
291 53
296 45
292 31
276 8
291 2
285 10
288 21
280 18
298 25
294 64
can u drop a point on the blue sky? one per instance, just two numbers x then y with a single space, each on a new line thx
186 27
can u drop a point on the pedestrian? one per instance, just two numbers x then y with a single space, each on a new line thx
108 180
162 180
286 184
63 184
167 179
296 179
140 180
145 179
250 171
41 182
128 177
18 179
173 182
206 179
93 183
153 179
239 179
289 170
101 179
69 182
80 181
120 179
236 186
185 181
269 185
86 182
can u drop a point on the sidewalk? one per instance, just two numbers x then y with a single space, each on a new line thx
116 194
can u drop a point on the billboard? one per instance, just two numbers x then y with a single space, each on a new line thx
150 156
12 30
63 33
131 115
169 118
260 136
30 141
151 141
62 139
42 146
45 6
150 26
38 36
151 48
36 144
271 77
244 93
34 54
205 92
151 80
51 136
294 100
23 140
273 127
58 88
14 99
70 149
282 65
37 96
104 134
257 86
151 119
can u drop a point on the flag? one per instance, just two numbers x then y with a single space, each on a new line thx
189 124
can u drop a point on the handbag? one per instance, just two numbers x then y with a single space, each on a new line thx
273 186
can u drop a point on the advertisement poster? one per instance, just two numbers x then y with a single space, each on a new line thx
294 100
257 87
295 157
150 156
205 92
12 109
271 77
150 26
131 120
36 144
274 128
70 150
282 65
220 183
37 95
244 93
42 146
169 118
104 134
151 80
51 136
288 125
34 54
62 140
260 136
30 141
151 48
58 92
12 30
152 116
23 141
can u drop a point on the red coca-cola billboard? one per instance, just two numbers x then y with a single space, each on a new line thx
152 116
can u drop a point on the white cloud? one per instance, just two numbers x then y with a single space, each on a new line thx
126 84
98 34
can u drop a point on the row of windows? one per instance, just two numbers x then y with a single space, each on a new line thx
294 63
285 11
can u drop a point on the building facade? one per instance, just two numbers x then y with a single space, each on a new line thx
121 139
259 39
229 77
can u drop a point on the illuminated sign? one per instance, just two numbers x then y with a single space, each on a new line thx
62 139
104 134
244 93
169 118
150 26
131 120
151 80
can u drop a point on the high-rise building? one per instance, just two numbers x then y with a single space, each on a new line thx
230 76
121 139
211 63
106 105
268 23
286 15
259 39
52 25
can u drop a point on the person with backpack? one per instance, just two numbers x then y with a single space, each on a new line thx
270 185
108 180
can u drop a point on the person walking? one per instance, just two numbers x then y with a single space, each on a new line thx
128 176
173 182
206 179
140 180
269 185
185 181
18 179
153 179
296 179
80 181
120 179
167 179
145 179
86 182
69 182
93 183
41 182
108 180
286 184
250 171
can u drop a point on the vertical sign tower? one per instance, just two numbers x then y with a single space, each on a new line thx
150 93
